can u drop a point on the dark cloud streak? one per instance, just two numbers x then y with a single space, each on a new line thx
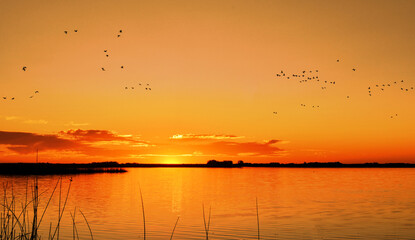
25 143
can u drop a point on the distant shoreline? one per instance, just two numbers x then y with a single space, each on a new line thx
114 167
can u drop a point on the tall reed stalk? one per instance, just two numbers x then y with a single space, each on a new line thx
172 232
90 231
257 216
204 221
144 215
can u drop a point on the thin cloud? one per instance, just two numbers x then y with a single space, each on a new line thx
35 121
191 136
224 148
242 148
96 135
23 120
11 118
74 124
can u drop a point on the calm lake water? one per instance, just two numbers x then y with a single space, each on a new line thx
293 203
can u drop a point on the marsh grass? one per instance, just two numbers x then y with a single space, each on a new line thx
23 222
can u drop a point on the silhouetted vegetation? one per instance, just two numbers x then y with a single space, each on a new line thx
17 222
114 167
214 163
57 169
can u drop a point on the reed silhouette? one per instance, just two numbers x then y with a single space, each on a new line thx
204 221
172 232
18 223
144 215
257 215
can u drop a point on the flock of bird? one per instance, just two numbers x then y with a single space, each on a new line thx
147 88
66 32
385 86
394 116
313 106
305 76
312 76
24 68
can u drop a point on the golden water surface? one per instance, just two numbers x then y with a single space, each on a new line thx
292 203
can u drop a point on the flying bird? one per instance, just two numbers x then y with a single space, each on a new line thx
103 69
354 69
118 35
24 68
12 98
120 31
4 97
31 96
75 30
122 67
66 32
36 91
338 60
105 50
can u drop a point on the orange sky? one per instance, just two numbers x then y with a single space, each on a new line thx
212 69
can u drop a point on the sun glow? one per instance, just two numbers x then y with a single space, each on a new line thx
170 160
